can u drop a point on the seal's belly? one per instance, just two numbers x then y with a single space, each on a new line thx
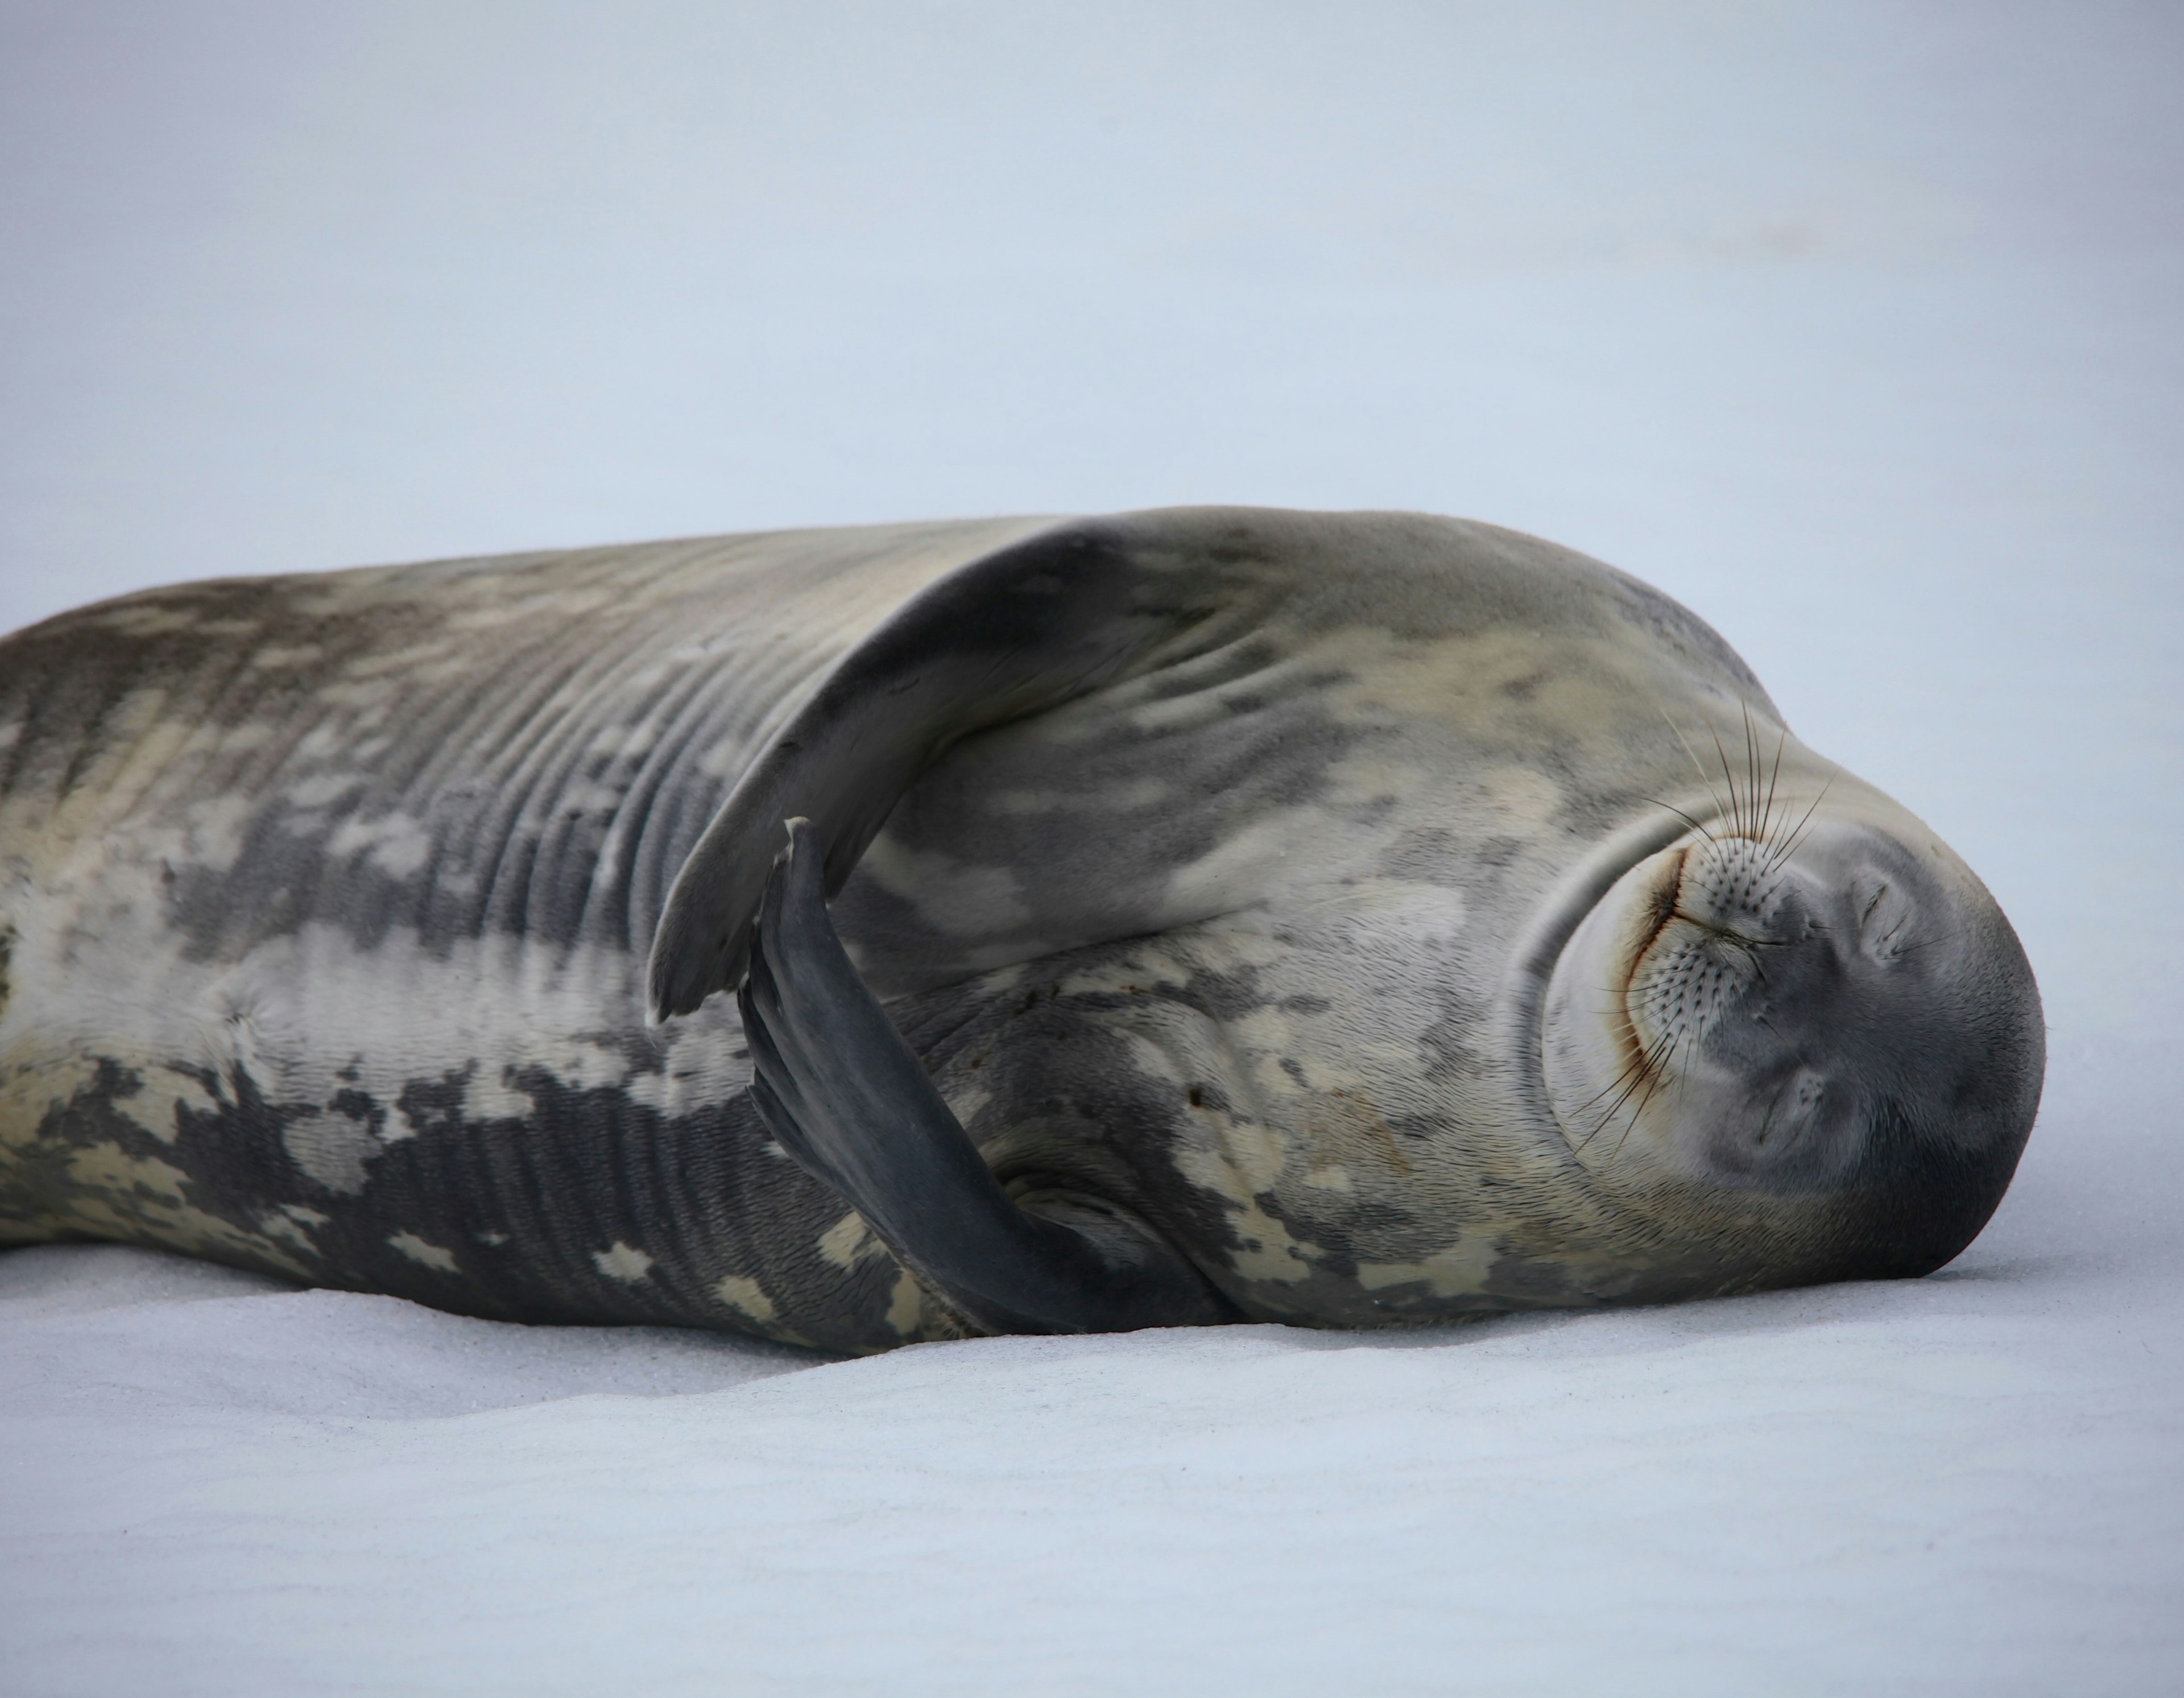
323 903
483 1132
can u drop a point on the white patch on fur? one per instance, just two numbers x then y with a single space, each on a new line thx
430 1255
398 844
621 1261
215 828
293 1223
316 790
1461 1269
335 1150
276 655
849 1241
746 1297
110 1168
906 1306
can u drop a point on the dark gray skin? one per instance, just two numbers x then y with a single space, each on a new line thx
852 1103
1342 919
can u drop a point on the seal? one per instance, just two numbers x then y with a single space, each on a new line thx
861 936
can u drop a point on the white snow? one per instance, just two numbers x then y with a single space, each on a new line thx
1964 1484
1854 327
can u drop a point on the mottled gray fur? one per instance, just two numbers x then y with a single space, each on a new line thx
1210 876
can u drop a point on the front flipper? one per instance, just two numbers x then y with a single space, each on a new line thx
850 1102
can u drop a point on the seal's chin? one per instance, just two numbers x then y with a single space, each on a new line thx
1836 1036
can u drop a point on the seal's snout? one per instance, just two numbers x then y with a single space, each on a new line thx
1768 995
1714 911
1841 1035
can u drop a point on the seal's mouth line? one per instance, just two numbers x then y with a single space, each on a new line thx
1668 907
1640 1058
1532 963
1666 897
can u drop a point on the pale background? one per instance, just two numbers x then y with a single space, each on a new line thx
1859 327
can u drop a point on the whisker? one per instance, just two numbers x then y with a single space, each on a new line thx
1609 1118
1705 777
1624 1083
1735 809
1671 807
1630 1069
1796 832
1646 1067
1636 1113
1781 742
1751 766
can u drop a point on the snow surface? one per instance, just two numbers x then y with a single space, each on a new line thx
1965 1483
1856 327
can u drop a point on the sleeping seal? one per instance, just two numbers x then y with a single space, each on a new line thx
1337 918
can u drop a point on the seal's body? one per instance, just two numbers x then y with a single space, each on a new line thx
1337 918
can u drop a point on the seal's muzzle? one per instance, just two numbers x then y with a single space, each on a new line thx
1839 1028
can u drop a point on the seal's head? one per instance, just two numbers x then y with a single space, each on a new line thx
1804 1040
1329 895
